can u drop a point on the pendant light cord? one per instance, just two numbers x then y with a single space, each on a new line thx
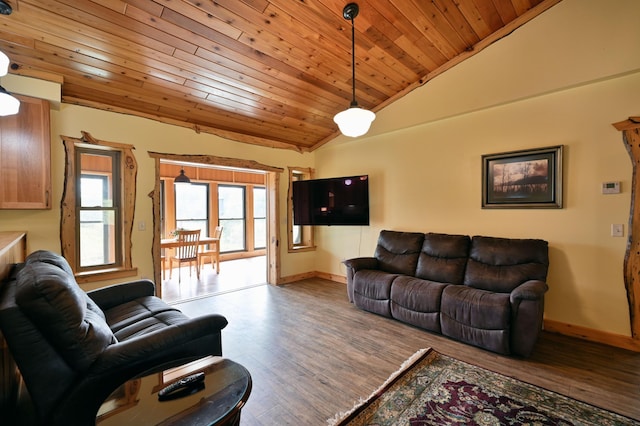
353 62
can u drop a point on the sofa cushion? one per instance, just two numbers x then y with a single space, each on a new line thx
416 301
397 252
502 264
443 258
57 306
481 318
372 291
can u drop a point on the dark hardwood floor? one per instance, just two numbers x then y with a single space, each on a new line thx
312 354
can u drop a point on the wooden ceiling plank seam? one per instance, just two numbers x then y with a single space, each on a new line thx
184 93
506 10
117 65
426 27
298 102
121 25
274 38
522 6
118 6
59 65
438 28
259 5
15 38
252 54
458 21
88 22
129 92
210 14
321 56
160 24
271 84
477 19
414 42
151 7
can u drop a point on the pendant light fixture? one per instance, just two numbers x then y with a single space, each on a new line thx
354 121
182 178
9 105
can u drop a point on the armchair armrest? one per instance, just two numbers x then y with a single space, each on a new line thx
529 290
153 350
110 296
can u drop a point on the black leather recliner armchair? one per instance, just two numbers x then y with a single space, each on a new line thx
74 348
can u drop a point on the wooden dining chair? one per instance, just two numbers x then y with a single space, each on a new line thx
186 251
214 250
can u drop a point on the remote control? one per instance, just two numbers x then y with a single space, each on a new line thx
194 381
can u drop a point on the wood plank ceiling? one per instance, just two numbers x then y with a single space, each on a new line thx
266 72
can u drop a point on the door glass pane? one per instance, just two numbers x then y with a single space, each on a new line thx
231 213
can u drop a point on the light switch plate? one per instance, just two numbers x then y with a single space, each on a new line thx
617 230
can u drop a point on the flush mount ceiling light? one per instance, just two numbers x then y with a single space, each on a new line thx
9 105
354 121
182 178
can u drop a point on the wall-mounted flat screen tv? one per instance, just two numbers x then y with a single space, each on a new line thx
333 201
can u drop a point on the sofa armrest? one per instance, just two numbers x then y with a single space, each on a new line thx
110 296
359 263
529 290
353 266
527 311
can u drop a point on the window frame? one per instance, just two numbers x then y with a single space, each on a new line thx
306 231
69 221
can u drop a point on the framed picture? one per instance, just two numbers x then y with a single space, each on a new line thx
523 179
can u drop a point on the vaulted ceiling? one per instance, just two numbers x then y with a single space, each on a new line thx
266 72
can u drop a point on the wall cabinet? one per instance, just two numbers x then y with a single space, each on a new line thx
25 156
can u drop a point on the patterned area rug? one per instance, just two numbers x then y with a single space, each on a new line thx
433 389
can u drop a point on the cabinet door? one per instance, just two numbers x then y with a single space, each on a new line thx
25 156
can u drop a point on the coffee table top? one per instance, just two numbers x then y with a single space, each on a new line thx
227 386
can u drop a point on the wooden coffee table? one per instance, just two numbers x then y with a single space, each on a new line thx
227 386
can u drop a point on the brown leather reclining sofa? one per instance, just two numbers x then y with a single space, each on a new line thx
74 348
484 291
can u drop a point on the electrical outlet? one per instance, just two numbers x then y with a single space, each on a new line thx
617 230
142 226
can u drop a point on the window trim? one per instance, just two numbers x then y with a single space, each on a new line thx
307 231
68 220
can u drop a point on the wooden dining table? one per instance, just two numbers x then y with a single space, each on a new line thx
173 242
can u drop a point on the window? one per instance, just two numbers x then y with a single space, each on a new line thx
98 208
99 237
259 218
300 237
231 216
192 206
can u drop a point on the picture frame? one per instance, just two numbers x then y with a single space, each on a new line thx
528 179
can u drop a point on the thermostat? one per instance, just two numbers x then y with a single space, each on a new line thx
611 188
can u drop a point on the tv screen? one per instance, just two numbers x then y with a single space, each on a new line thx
334 201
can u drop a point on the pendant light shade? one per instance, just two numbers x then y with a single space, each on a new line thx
9 105
4 64
182 178
354 121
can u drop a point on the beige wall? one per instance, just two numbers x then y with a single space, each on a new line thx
560 80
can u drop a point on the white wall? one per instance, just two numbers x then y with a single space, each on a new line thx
562 79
